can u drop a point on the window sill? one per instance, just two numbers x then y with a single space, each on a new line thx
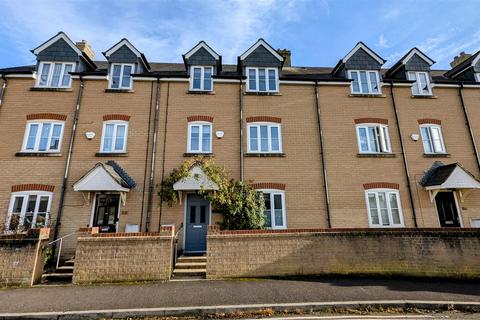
367 95
198 154
119 90
436 155
255 93
201 92
111 154
38 154
376 155
419 96
51 89
265 155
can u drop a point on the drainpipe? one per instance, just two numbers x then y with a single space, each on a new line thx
152 159
163 154
146 157
322 156
240 93
404 157
3 89
467 121
67 163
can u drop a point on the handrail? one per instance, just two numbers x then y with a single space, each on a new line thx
60 247
66 236
175 239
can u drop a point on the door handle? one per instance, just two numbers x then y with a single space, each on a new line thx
197 227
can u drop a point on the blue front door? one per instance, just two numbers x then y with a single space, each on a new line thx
197 220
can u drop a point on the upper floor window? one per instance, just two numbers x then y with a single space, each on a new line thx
121 76
432 139
264 138
373 138
384 208
114 137
275 214
422 83
43 137
55 74
199 137
201 78
28 209
477 75
364 82
262 79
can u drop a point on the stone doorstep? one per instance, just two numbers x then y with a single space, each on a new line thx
191 265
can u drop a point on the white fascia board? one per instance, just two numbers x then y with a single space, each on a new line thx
202 44
54 39
360 45
119 45
261 42
420 54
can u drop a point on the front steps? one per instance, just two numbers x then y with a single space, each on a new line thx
61 275
190 268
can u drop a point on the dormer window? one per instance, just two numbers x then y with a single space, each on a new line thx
121 76
55 75
364 81
201 78
477 76
262 79
421 87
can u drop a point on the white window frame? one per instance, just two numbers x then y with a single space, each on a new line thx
416 75
116 123
200 124
477 76
50 74
273 192
122 68
369 84
382 138
269 126
430 138
25 195
202 78
40 124
257 79
390 216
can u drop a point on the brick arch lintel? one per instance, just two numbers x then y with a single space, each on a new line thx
371 120
46 116
429 121
121 117
381 185
32 187
200 118
268 185
264 119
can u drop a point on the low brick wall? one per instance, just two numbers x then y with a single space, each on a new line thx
410 252
22 258
124 257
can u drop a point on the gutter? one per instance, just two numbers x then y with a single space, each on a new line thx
322 156
153 158
467 121
404 157
163 155
3 89
67 163
241 130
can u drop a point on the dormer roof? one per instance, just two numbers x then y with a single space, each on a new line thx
413 60
263 43
472 62
120 46
202 54
360 48
200 45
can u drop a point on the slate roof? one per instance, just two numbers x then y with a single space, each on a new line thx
464 65
437 174
400 61
127 180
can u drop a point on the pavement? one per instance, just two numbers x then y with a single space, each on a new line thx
192 294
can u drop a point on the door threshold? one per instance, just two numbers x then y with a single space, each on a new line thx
194 253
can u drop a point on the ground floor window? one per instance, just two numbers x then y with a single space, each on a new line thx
384 208
275 215
28 210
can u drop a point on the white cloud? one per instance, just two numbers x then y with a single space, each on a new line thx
382 42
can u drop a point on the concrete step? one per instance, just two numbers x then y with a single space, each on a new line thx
69 263
192 259
188 273
64 269
57 277
191 265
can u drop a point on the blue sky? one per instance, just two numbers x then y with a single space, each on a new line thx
319 32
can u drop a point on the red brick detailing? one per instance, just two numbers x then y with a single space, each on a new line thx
121 117
371 120
47 116
381 185
345 230
268 185
200 118
429 121
32 187
264 119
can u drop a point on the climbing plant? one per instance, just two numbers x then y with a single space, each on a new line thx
241 205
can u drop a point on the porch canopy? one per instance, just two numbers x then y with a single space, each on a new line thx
449 177
103 177
196 180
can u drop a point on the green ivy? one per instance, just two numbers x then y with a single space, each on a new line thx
241 205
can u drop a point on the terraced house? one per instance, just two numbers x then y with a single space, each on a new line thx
87 142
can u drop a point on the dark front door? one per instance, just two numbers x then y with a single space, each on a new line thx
447 209
106 212
197 220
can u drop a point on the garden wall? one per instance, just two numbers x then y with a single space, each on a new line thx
407 252
115 257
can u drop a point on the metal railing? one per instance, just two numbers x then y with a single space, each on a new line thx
60 246
175 247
